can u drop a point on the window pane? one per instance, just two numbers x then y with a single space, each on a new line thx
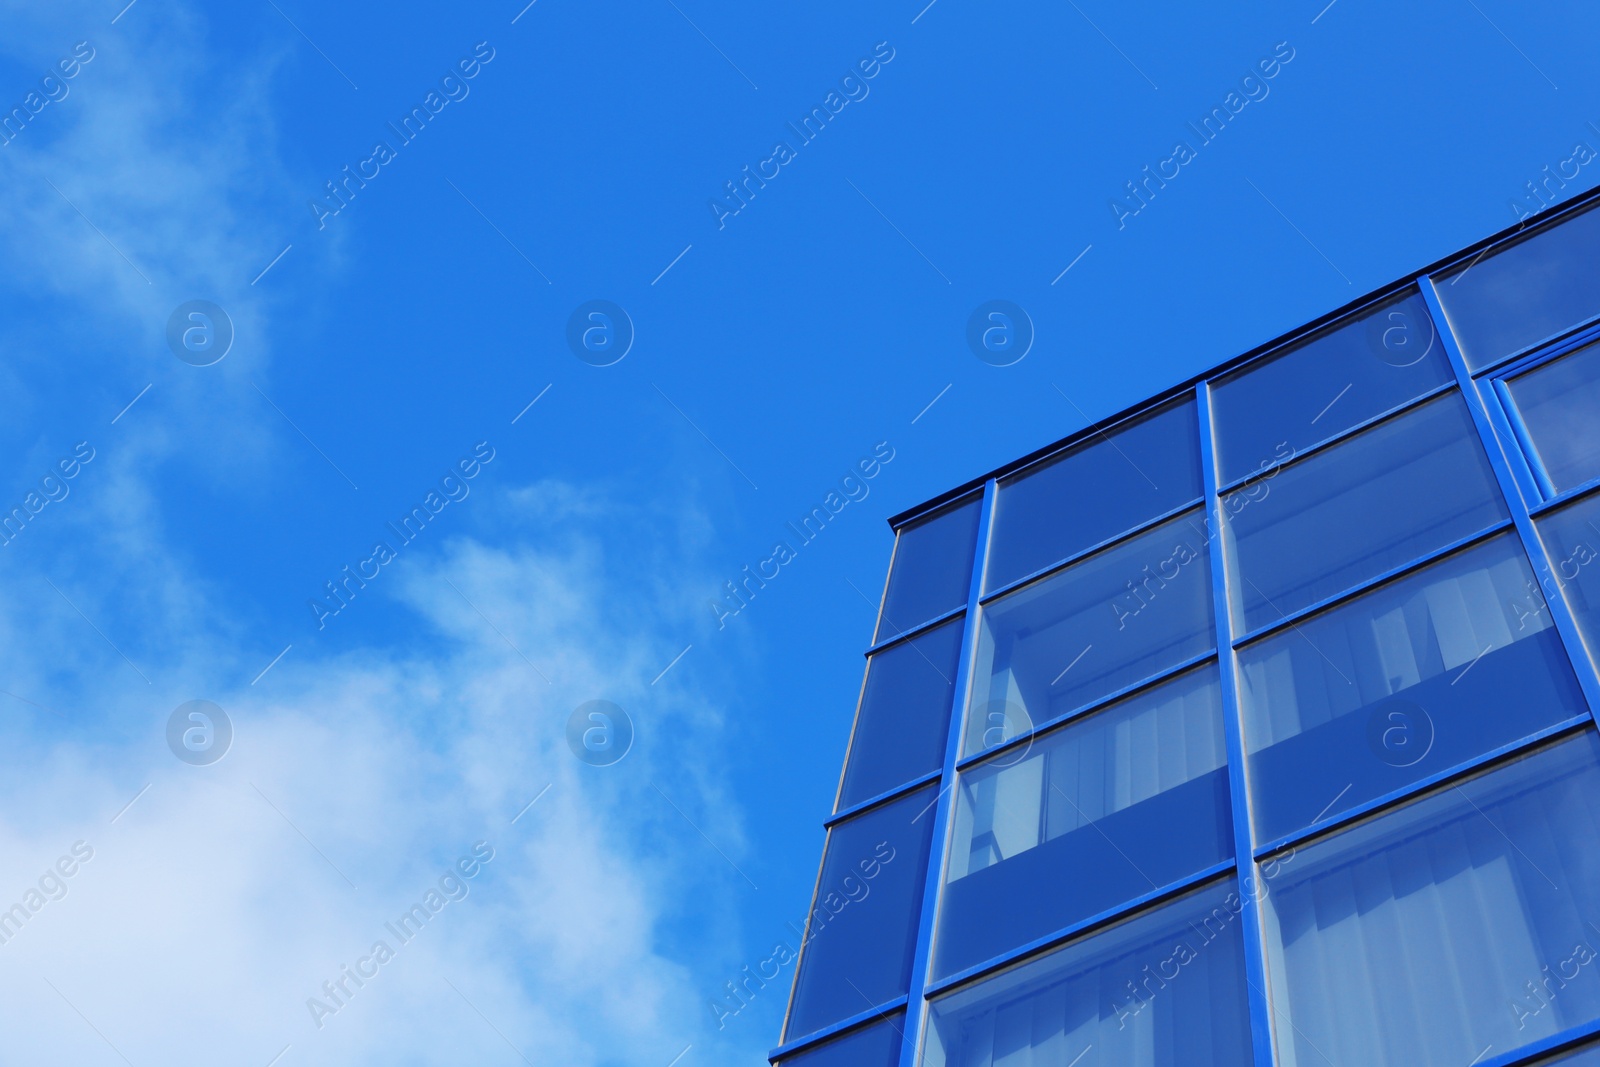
1526 292
1458 922
1384 497
1104 810
863 924
1560 405
1165 989
905 714
1420 675
1324 386
1110 483
932 569
1085 632
877 1045
1572 539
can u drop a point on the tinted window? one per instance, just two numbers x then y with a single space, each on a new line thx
1108 484
904 719
1572 538
1104 810
932 569
863 924
1323 386
1376 501
1104 623
1420 675
1431 932
877 1045
1166 989
1560 406
1525 292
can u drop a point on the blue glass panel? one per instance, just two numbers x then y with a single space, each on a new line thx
904 719
1321 387
1461 922
1108 484
863 924
1571 537
1560 406
1164 989
1525 292
1422 674
877 1045
1365 505
1091 629
932 569
1102 811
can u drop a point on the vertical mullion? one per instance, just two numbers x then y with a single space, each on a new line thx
1232 727
922 958
1550 586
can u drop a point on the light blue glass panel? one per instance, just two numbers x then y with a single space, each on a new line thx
1164 989
932 569
1110 483
1422 674
1571 538
904 720
1526 291
1361 507
1104 810
877 1045
863 924
1320 387
1458 923
1091 629
1560 405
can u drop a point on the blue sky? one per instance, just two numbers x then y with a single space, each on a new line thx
378 347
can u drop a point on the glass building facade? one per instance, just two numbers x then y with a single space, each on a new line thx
1255 725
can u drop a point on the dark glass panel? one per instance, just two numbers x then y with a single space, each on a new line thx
863 925
877 1045
1108 484
1560 406
904 721
932 570
1571 538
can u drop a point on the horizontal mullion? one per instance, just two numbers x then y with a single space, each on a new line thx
915 631
1367 585
1343 435
1567 1040
1565 498
1040 944
1398 797
1083 554
816 1037
882 798
1529 356
1164 675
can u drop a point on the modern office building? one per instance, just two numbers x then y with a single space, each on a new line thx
1254 725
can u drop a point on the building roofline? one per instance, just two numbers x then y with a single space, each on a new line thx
1549 216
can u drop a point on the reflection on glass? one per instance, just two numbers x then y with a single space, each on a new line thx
1525 292
1572 539
1373 502
1102 487
905 714
1461 921
863 924
932 569
1560 406
1319 388
877 1045
1091 629
1103 810
1164 989
1420 675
